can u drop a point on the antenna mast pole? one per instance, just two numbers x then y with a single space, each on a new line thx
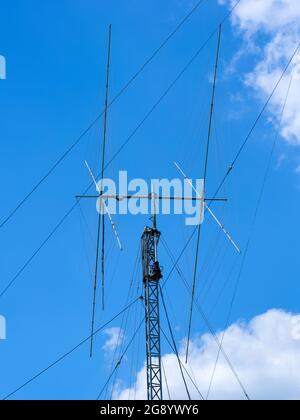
151 277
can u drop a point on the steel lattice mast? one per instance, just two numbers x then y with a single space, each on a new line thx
151 277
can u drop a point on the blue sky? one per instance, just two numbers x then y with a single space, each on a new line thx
55 53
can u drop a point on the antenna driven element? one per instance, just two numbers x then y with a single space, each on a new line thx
209 210
151 277
103 163
102 199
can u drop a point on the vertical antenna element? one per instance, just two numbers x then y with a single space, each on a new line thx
101 216
103 163
151 277
203 195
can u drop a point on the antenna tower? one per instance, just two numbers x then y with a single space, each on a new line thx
151 277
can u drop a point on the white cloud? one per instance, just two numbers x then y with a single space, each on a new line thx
115 339
265 353
273 28
268 15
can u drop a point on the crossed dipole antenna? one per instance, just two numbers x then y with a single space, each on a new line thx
153 197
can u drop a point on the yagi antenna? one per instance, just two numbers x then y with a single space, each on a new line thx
113 225
229 237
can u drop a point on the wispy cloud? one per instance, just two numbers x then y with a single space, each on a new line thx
115 337
281 159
